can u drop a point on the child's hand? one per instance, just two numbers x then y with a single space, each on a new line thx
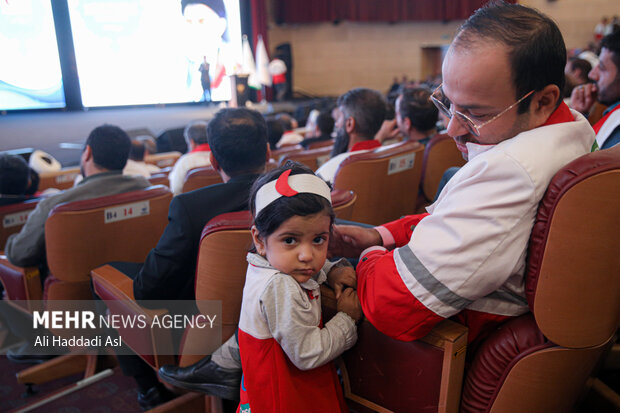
350 304
340 278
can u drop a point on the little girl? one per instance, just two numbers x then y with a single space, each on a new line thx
286 352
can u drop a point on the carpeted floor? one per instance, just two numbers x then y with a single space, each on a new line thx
115 393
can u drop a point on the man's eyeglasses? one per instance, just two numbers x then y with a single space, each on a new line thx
445 106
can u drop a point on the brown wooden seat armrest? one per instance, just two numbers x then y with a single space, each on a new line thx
20 283
114 281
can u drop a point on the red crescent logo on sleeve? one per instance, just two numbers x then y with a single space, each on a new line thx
282 185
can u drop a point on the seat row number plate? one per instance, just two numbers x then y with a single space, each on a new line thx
16 219
127 211
401 163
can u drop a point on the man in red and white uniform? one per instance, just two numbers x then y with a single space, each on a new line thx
362 112
466 258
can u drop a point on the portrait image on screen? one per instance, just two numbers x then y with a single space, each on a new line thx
136 52
30 76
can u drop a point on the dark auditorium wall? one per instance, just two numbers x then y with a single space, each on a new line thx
330 59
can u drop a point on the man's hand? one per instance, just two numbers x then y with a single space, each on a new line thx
340 278
350 240
583 97
350 304
389 130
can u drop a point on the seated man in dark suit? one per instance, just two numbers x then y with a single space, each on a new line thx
238 142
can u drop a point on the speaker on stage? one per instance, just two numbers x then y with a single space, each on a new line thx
283 52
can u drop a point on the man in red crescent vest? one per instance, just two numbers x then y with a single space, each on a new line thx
502 82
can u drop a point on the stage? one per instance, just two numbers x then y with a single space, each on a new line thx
48 130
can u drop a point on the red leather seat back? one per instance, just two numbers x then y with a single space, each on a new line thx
83 235
221 267
385 181
539 362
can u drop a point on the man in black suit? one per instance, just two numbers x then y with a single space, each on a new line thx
238 142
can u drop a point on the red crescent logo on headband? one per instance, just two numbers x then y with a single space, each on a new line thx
282 185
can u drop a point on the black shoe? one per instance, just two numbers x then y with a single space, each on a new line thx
154 396
26 354
204 376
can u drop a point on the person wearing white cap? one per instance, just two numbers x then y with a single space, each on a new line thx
285 349
281 313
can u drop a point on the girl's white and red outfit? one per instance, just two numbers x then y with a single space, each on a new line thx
466 258
286 352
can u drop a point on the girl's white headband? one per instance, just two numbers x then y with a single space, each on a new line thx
287 185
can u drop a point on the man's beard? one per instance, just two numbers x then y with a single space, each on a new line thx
341 143
611 94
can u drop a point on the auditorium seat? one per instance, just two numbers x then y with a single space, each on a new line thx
440 153
206 176
14 217
200 177
321 144
160 177
540 362
220 275
312 158
385 181
80 236
62 179
163 159
596 113
277 153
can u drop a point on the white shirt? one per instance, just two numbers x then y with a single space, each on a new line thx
183 165
488 209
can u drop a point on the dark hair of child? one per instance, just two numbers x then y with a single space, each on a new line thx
273 215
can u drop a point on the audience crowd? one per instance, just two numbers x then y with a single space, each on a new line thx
463 258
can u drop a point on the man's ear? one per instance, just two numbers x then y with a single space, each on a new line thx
544 103
349 124
258 241
87 153
407 123
268 154
214 162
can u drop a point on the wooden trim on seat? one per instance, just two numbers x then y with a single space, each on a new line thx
113 282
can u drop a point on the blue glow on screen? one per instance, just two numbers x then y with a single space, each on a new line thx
30 76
